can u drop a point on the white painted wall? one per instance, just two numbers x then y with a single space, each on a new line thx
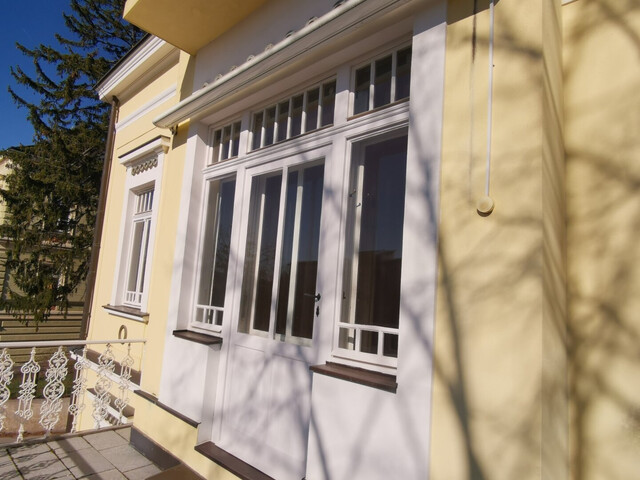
357 432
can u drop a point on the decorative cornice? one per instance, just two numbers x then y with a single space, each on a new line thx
147 54
141 158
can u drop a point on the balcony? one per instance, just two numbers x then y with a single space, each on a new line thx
190 24
65 412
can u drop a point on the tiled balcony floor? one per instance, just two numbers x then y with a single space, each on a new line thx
104 455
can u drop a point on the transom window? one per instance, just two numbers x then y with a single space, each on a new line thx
279 295
373 257
382 81
140 228
226 142
214 254
294 116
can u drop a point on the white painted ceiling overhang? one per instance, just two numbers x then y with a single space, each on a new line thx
329 31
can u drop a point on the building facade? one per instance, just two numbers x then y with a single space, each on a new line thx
375 239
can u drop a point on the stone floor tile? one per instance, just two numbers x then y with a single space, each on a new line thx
142 473
125 457
42 466
71 444
24 450
85 462
124 433
8 471
104 440
108 475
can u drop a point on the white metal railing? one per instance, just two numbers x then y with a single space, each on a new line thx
55 375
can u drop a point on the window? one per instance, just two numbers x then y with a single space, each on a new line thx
214 255
226 142
142 191
368 327
383 81
299 114
281 258
139 247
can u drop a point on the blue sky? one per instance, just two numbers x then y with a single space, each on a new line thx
30 22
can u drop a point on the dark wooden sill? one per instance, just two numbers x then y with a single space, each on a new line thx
122 310
236 466
153 399
196 337
381 381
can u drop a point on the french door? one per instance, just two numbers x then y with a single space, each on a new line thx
273 339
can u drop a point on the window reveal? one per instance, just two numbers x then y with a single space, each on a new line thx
373 260
281 259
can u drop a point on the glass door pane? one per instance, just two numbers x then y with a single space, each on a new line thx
257 284
293 243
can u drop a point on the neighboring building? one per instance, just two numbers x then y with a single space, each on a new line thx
300 221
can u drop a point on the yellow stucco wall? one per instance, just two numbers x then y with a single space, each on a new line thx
137 133
602 126
499 361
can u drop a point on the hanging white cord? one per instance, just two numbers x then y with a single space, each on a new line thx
490 106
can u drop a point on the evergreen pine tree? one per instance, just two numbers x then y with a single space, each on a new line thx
51 193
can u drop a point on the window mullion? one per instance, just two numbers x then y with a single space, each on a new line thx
215 244
394 65
278 255
289 119
356 242
263 129
142 260
294 254
256 267
372 78
303 126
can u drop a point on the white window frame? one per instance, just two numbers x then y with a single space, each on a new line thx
355 148
144 170
193 323
371 61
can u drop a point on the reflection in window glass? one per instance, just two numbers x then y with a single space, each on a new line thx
235 140
226 140
382 82
296 272
328 103
391 81
361 90
373 263
257 284
313 101
403 73
217 140
296 115
256 132
283 117
214 258
269 126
